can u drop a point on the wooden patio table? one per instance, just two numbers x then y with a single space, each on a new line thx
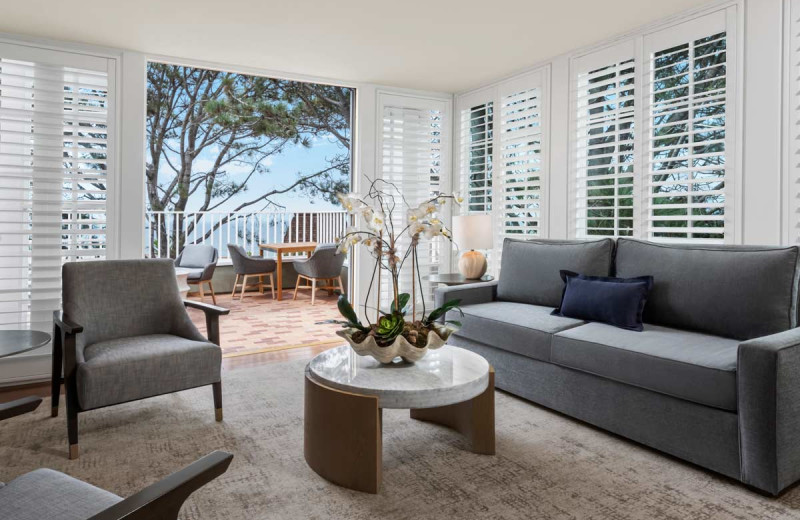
280 250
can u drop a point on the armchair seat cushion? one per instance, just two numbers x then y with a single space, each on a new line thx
127 369
515 327
195 274
689 365
47 494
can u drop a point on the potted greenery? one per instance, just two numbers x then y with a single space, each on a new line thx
399 331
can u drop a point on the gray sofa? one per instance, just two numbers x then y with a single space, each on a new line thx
714 378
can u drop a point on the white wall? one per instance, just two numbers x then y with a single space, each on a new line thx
760 40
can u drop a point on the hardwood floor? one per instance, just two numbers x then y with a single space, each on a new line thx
228 363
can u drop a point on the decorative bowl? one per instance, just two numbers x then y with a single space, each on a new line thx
400 347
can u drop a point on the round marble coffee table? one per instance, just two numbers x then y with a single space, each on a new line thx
345 394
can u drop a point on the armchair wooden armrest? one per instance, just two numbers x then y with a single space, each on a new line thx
66 326
212 313
207 307
163 500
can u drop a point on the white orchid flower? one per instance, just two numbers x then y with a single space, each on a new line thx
417 229
415 215
433 230
458 197
428 208
377 221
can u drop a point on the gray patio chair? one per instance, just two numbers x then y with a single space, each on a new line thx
325 265
45 494
202 260
125 335
249 267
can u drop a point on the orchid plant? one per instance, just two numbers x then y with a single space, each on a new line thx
393 247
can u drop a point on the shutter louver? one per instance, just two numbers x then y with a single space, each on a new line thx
603 148
53 176
793 71
520 179
686 129
477 134
411 150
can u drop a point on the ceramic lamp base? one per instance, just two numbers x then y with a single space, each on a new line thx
472 265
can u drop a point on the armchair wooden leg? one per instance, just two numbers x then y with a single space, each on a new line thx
272 284
235 283
213 296
72 429
244 286
341 285
202 293
55 384
313 289
296 286
217 388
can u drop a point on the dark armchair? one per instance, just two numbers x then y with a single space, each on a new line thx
202 260
325 265
44 494
125 335
247 267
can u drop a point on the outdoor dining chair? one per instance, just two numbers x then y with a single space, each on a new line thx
202 260
324 265
249 267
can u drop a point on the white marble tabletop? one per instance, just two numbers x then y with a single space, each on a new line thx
444 376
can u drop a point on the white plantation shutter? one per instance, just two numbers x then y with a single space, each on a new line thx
688 187
412 147
476 138
519 196
602 142
54 167
502 157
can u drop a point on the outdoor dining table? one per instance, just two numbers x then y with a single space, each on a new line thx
284 248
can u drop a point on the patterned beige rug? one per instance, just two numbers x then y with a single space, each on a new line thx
547 466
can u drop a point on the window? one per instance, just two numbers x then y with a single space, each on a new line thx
652 133
412 147
604 148
55 164
519 197
476 157
792 200
502 160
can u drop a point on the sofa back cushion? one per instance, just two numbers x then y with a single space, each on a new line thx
739 292
530 269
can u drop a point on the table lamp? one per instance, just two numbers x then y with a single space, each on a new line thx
471 232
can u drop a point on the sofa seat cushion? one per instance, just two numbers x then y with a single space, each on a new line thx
689 365
47 494
126 369
516 327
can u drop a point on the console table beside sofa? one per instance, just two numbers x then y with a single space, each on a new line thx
714 378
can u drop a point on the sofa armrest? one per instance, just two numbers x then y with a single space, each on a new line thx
768 388
163 500
480 292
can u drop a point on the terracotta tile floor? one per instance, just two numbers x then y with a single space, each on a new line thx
260 324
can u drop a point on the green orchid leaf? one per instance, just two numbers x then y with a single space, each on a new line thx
347 311
435 314
402 300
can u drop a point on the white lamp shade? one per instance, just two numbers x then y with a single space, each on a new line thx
472 232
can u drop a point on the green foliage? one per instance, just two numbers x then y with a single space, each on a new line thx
441 311
402 300
347 311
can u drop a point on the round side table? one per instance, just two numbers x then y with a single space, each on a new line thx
16 342
457 279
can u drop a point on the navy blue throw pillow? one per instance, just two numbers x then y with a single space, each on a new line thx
616 301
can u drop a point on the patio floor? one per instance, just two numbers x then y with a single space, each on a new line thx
260 324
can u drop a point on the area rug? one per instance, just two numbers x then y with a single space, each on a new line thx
547 466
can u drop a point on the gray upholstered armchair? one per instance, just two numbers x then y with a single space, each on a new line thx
325 265
249 267
44 494
202 260
125 335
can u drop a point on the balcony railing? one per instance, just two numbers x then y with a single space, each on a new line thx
167 232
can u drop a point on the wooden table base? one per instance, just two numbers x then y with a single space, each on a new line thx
343 442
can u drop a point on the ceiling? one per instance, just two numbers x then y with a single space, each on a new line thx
442 45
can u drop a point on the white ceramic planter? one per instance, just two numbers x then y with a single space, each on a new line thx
399 348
